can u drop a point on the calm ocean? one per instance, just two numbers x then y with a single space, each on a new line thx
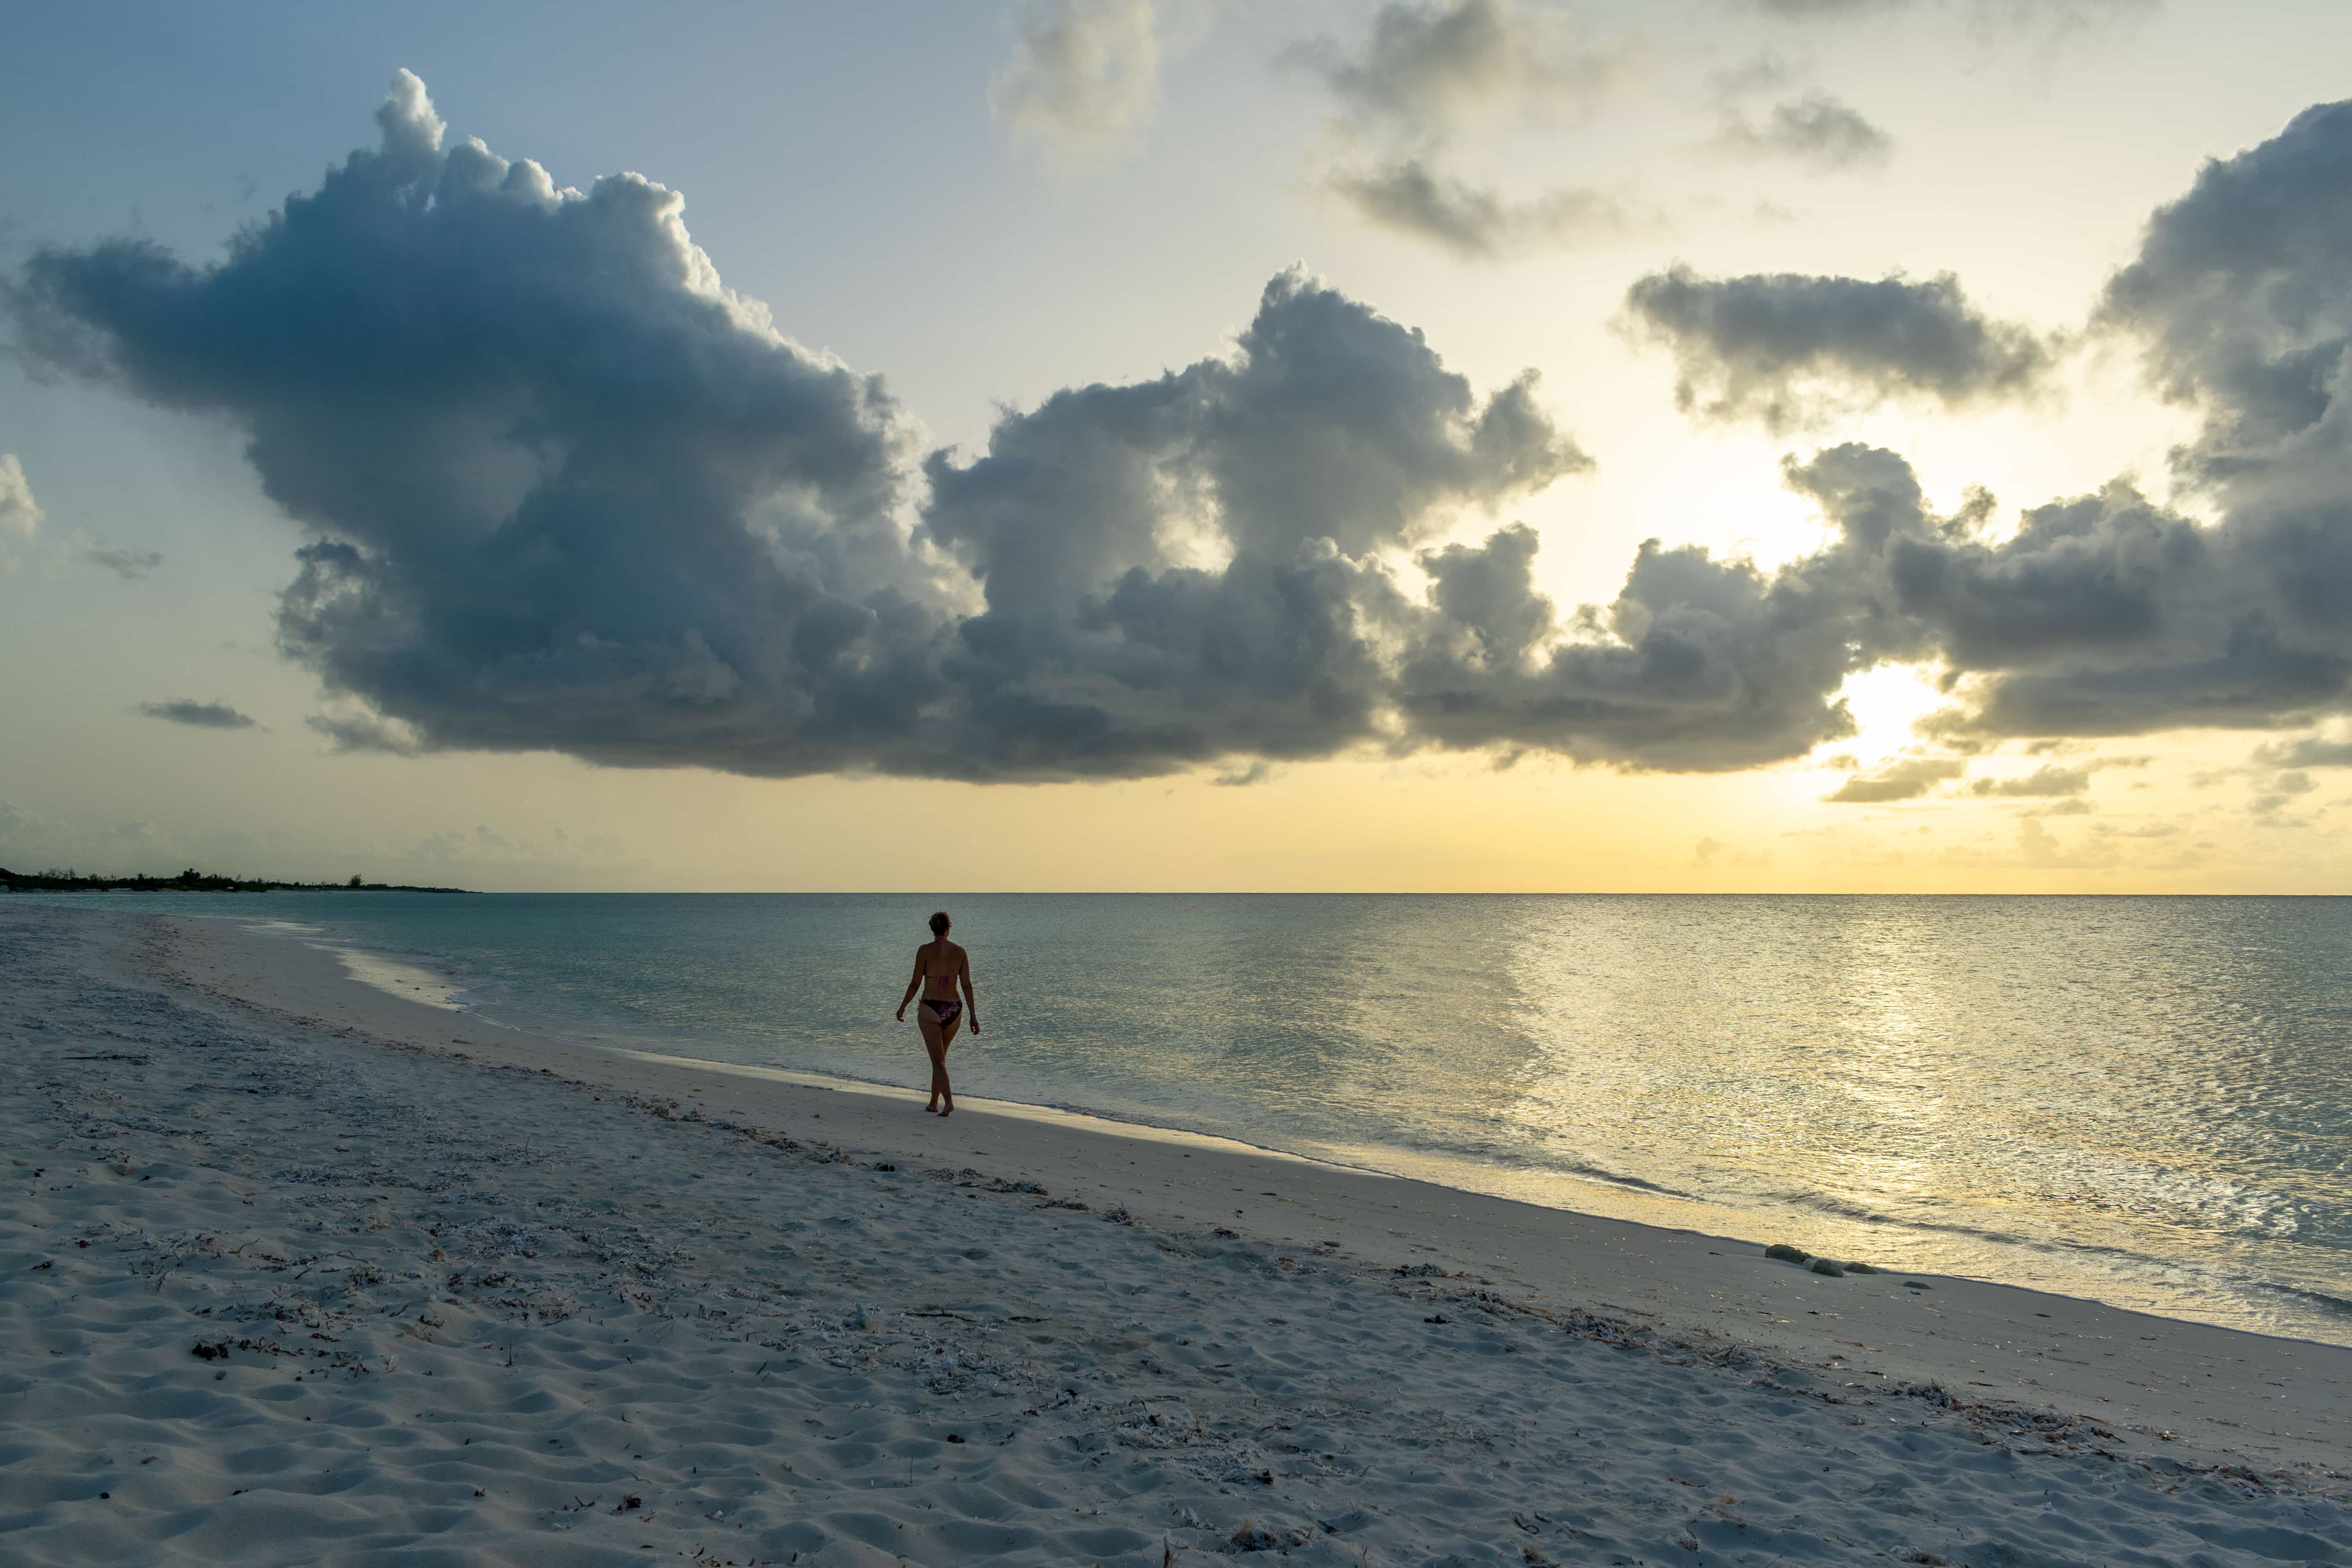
2143 1100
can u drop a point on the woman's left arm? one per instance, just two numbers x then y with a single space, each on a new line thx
971 1006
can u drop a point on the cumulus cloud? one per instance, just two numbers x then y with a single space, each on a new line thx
20 514
1331 436
2244 313
1905 778
203 715
1789 350
2241 303
565 490
1083 76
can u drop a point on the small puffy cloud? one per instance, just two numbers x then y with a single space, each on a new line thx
1474 221
20 514
2042 783
2306 751
1422 70
1815 128
1421 74
202 715
1789 349
130 565
2279 792
1083 76
1905 778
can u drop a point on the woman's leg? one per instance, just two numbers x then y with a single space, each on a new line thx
940 1065
935 1044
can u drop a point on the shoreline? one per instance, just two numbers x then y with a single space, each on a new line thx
1964 1334
2135 1285
300 1271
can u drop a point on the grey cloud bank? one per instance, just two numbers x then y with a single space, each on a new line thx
568 492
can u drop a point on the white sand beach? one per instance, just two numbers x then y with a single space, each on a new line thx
296 1270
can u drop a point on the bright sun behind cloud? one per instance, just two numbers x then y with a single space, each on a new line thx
1885 703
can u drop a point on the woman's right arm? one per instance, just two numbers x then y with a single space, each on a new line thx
913 985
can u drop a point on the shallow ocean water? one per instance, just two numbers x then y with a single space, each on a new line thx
2142 1100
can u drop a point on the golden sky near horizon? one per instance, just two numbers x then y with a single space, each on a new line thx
1083 195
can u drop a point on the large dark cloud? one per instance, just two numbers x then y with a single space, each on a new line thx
2123 619
568 492
1789 349
2240 292
565 492
1330 435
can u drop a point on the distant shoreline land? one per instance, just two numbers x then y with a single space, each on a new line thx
191 881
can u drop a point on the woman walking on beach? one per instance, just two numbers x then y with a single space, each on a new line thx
940 968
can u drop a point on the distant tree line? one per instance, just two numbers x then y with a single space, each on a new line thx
191 880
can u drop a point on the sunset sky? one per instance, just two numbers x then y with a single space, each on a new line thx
1735 446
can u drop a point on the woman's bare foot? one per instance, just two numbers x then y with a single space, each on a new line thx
948 1110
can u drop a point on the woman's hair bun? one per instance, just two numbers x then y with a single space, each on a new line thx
939 923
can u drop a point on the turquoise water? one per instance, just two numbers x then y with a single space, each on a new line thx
2143 1100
